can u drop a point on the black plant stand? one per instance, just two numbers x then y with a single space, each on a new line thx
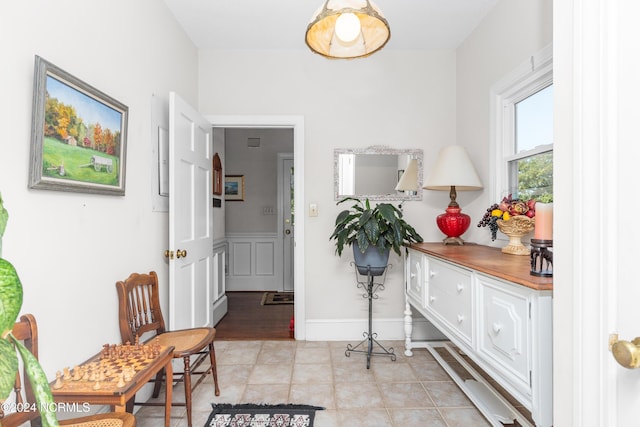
371 286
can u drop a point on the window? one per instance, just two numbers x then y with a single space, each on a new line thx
522 104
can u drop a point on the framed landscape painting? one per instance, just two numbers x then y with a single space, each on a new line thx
78 136
234 187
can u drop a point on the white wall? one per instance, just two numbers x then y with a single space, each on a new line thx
69 248
259 165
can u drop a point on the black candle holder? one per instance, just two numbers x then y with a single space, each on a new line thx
541 258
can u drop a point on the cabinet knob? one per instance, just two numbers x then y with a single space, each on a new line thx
627 353
460 318
432 299
497 328
432 273
460 287
413 275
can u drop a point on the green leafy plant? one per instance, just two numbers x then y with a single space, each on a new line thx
381 226
4 217
10 305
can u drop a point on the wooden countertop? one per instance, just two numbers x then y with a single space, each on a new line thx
489 260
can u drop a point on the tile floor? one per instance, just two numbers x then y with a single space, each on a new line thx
412 391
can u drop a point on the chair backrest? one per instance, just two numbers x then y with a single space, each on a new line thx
26 330
139 306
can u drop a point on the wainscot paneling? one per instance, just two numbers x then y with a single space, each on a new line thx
219 299
255 262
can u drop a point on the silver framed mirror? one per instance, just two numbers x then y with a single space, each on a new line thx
374 172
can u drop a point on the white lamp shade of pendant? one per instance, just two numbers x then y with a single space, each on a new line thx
409 179
322 34
453 168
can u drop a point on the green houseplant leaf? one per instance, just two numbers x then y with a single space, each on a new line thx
39 384
10 296
8 368
4 217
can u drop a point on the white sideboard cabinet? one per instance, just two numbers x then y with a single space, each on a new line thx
493 311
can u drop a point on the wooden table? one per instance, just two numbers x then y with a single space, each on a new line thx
110 394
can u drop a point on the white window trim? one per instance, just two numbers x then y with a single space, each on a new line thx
527 79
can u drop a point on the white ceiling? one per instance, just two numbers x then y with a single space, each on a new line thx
281 24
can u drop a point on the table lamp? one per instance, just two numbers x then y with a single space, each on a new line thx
409 179
453 171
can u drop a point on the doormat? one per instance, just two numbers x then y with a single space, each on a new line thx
272 298
250 415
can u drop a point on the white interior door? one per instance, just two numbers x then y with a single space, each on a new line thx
190 217
595 276
288 221
622 236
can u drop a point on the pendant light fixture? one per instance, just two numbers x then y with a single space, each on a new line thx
345 29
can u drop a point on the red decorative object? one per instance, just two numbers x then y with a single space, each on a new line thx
453 223
292 326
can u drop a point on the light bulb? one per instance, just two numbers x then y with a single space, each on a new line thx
347 27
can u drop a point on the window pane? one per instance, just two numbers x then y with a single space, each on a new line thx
534 120
534 176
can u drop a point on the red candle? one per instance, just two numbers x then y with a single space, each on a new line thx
544 221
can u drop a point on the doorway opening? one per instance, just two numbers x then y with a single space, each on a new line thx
296 125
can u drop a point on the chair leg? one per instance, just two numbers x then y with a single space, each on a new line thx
187 387
158 383
214 370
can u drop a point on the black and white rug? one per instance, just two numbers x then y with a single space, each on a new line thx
256 415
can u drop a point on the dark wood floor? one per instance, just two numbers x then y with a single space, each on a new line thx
247 319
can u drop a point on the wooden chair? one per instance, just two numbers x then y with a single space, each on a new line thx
26 330
140 314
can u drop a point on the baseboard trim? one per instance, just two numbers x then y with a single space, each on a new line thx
353 329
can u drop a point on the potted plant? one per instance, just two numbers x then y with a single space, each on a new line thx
373 232
10 304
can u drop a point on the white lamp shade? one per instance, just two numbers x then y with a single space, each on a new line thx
409 179
453 168
373 34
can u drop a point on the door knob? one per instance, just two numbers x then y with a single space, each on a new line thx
168 254
181 253
287 231
626 353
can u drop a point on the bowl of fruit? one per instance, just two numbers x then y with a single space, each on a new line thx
515 218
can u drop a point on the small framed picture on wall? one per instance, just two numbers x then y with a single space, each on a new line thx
234 187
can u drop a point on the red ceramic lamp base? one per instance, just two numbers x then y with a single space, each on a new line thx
453 223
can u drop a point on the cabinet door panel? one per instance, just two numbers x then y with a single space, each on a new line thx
415 283
504 330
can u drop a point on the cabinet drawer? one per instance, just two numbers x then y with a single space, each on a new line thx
504 330
449 297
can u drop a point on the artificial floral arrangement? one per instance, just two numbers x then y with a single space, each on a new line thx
505 210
